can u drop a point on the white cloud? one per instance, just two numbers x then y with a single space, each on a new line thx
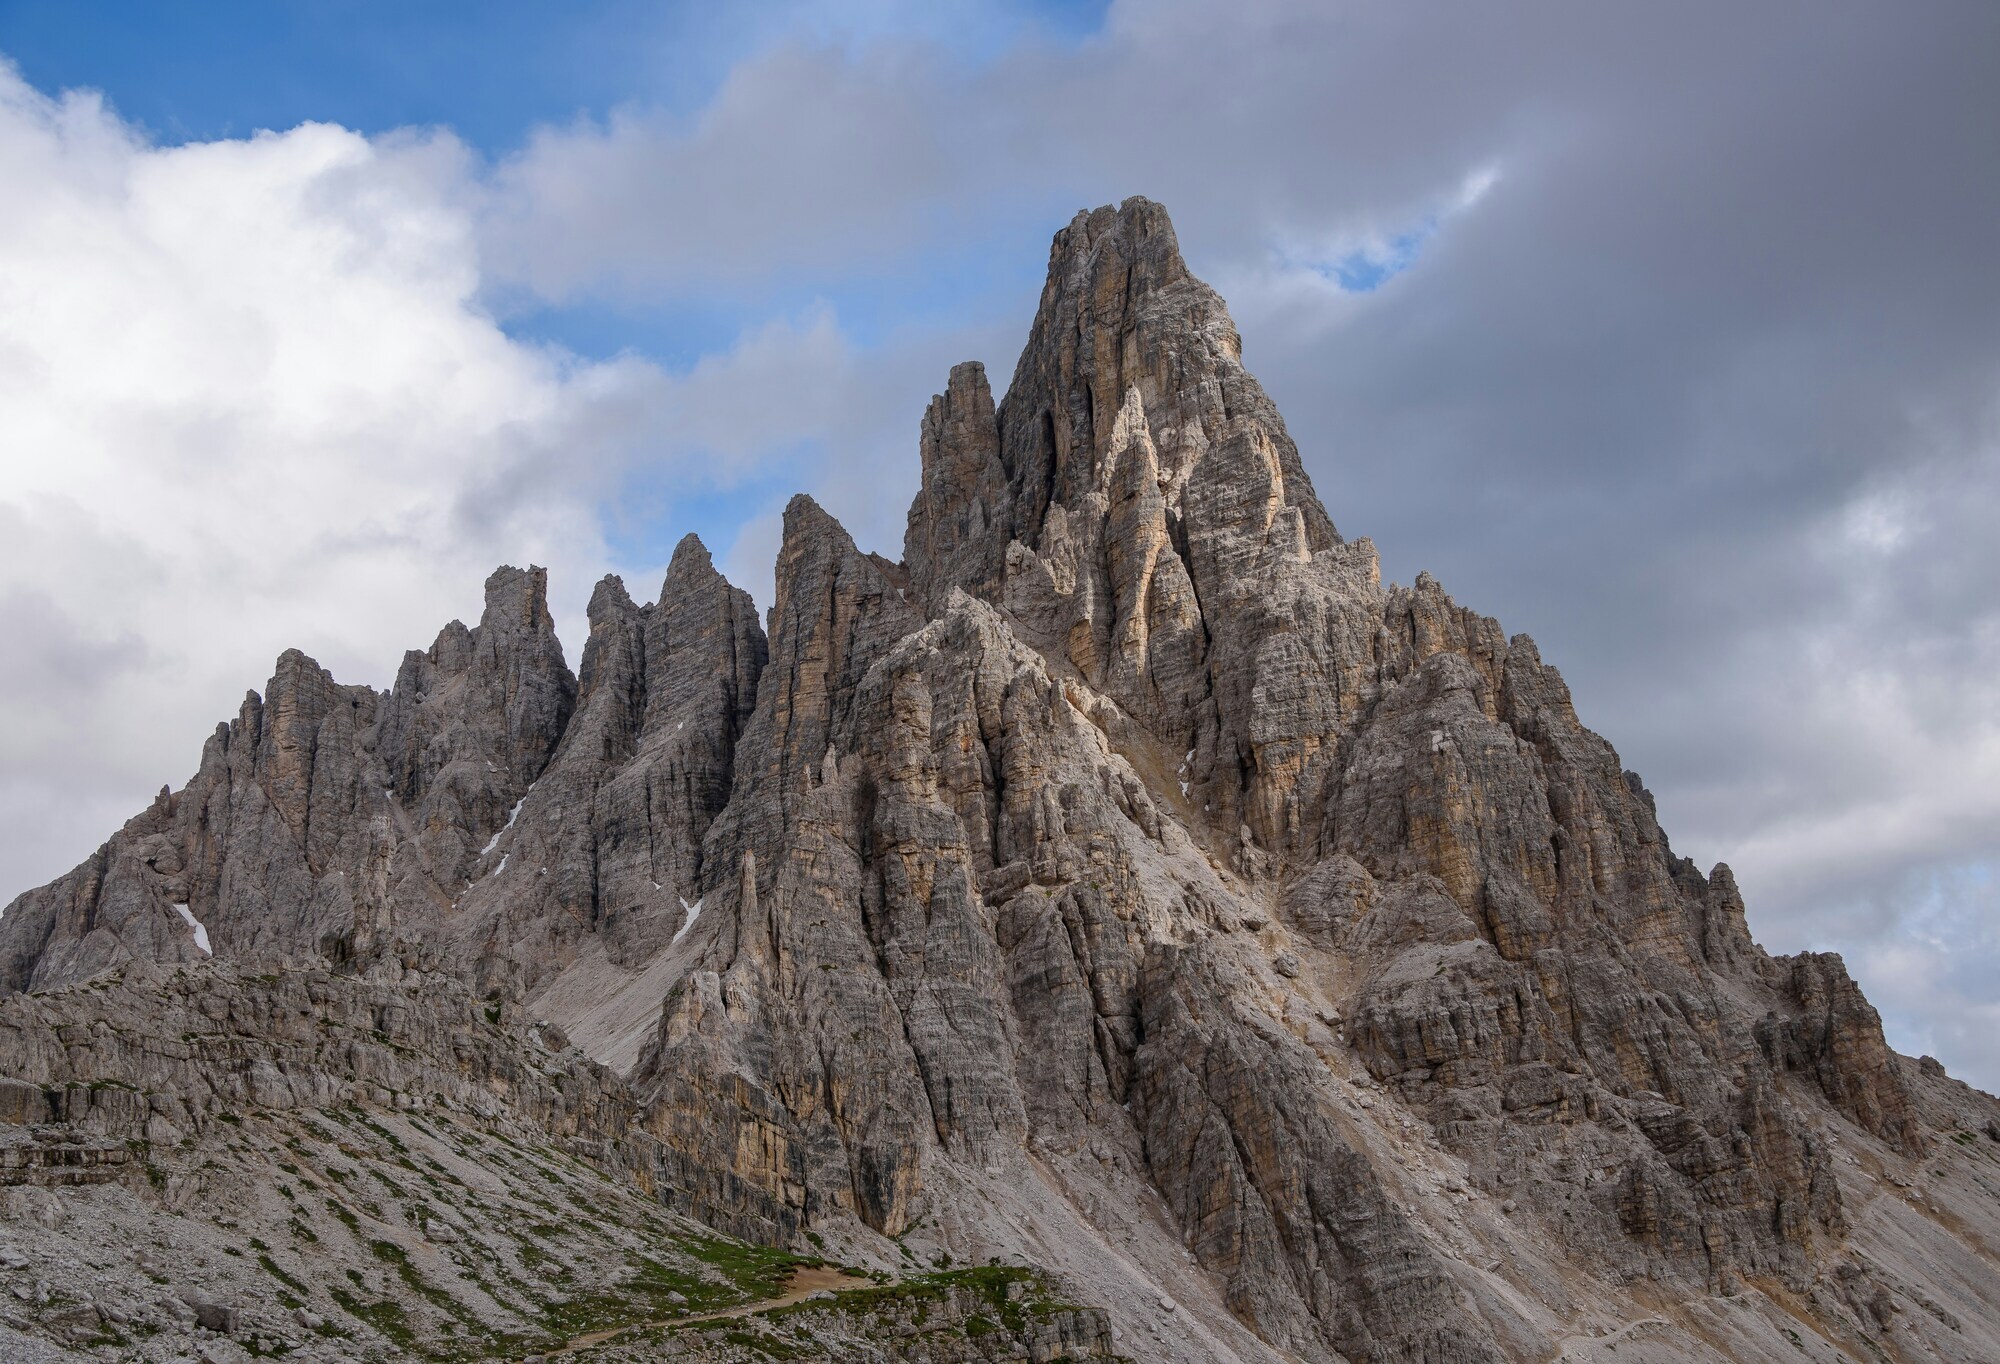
248 399
251 397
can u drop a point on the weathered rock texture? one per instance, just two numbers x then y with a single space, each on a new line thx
1126 880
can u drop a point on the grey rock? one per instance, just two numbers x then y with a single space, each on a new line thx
1130 837
326 823
217 1317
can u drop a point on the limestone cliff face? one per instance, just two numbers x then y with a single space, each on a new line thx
324 815
604 850
1126 867
486 816
1137 506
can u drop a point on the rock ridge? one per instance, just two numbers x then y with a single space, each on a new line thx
1127 881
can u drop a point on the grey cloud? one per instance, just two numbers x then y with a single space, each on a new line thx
54 662
801 162
56 650
54 668
1633 401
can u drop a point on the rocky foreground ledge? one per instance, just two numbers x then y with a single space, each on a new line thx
318 1167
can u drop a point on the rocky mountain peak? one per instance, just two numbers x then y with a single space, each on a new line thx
1128 867
517 602
1138 507
1125 338
691 563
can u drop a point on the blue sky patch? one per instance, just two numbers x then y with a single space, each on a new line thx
490 72
1367 269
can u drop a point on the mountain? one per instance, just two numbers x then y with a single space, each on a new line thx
1124 926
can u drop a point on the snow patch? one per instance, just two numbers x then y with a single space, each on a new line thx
503 863
200 932
512 815
693 913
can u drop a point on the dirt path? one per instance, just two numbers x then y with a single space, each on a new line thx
803 1283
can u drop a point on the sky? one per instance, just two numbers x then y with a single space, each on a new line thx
1667 334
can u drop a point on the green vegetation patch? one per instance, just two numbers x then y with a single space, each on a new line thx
386 1316
756 1271
398 1259
654 1292
1006 1296
770 1347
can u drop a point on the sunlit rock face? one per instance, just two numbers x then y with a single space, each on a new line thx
1126 880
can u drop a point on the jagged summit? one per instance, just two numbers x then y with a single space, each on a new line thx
1123 333
1128 882
1140 510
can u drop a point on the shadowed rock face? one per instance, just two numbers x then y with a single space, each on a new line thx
1127 846
324 817
486 816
